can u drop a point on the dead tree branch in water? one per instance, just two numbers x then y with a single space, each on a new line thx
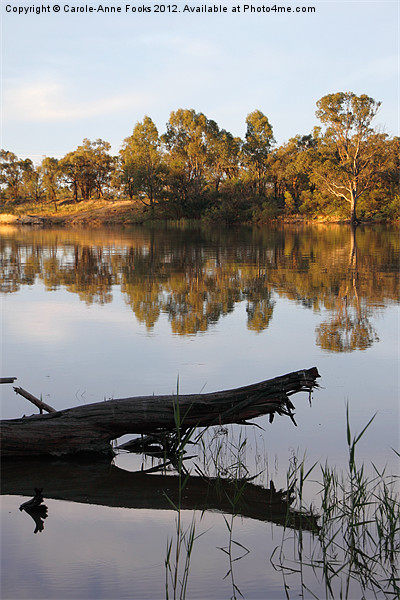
92 427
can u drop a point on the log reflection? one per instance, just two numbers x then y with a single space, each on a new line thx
102 483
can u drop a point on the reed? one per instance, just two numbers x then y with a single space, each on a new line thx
354 553
357 549
179 551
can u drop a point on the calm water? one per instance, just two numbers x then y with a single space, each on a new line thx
92 315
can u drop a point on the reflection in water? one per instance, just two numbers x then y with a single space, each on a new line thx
36 509
349 327
101 483
197 277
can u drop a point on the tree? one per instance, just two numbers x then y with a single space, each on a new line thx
88 168
186 141
33 182
349 150
51 175
103 163
384 198
13 173
223 154
255 151
290 166
142 166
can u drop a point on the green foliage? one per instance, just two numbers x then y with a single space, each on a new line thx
256 148
87 170
289 203
13 174
267 211
196 170
349 155
142 163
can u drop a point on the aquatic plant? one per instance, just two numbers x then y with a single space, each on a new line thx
357 549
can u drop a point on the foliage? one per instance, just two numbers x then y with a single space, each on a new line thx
350 153
87 170
142 163
197 170
256 148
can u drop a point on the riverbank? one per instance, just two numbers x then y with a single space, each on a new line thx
100 213
93 213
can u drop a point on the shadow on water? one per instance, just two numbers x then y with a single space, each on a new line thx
102 483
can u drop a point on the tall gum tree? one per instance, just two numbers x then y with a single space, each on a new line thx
258 143
188 149
51 178
348 155
223 154
142 166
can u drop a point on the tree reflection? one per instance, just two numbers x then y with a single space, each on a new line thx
196 278
349 327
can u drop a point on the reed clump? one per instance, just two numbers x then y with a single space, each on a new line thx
352 552
356 552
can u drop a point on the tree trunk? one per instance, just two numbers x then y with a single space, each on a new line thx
91 428
353 208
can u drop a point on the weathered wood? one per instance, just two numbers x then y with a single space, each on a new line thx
41 405
90 428
7 379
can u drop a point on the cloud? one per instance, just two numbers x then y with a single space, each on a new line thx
49 101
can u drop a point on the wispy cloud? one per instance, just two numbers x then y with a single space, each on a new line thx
48 101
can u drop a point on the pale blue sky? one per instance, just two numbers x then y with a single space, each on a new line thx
69 76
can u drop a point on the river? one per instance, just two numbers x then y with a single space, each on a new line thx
89 315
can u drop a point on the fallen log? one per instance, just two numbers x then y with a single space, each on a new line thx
91 428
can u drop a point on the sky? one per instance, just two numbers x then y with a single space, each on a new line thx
69 75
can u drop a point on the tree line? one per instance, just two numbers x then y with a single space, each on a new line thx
344 168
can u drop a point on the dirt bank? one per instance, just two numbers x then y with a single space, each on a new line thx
110 213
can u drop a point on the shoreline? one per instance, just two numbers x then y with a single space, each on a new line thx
123 213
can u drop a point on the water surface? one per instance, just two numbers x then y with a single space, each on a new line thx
91 315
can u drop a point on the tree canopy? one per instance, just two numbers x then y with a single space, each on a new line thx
344 169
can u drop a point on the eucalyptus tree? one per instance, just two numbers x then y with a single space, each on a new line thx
142 163
223 151
186 142
349 152
103 163
384 198
88 169
51 178
291 165
13 174
256 148
33 183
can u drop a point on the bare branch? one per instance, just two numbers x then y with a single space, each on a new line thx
41 405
